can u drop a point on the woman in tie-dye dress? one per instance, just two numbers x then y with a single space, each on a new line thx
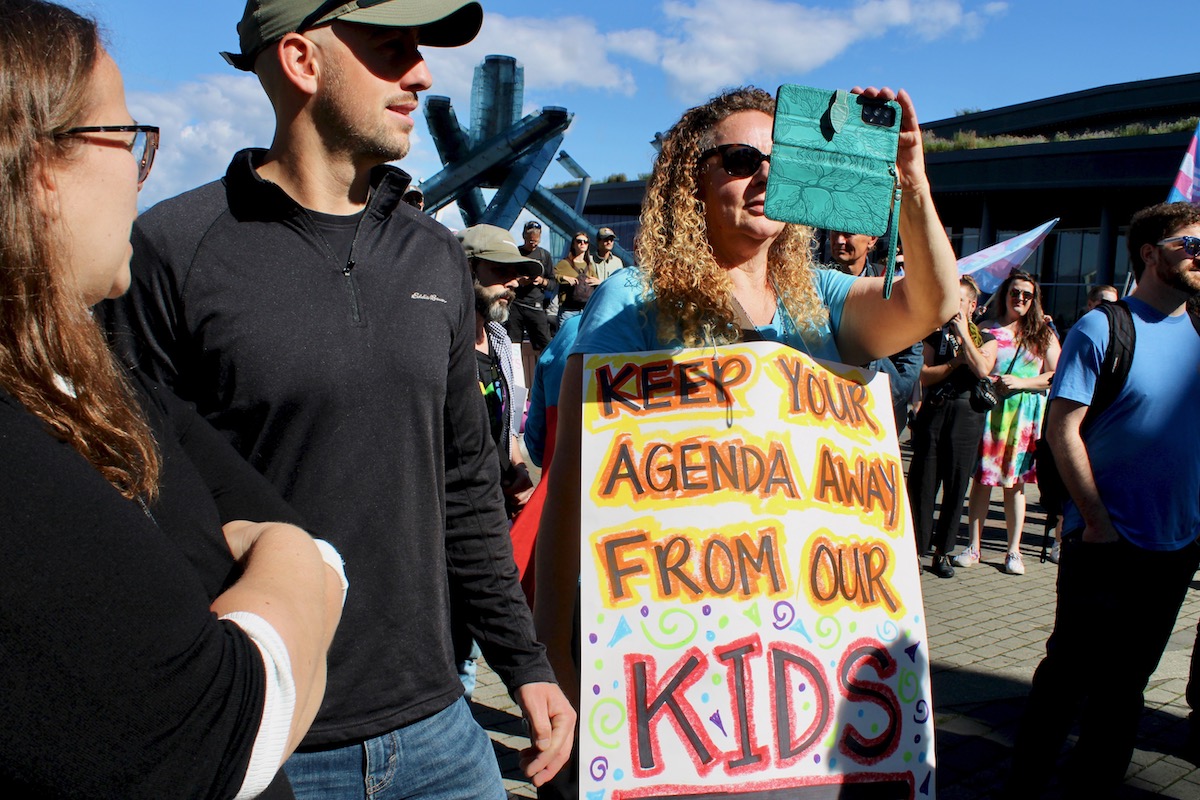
1028 354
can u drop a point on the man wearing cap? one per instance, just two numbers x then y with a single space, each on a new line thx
527 315
328 329
498 269
606 262
415 198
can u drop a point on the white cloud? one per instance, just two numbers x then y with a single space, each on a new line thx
709 45
566 52
203 123
703 45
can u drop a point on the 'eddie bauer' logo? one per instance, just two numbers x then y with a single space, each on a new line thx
423 296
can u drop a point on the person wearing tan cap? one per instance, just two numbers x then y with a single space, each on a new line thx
606 263
327 329
498 269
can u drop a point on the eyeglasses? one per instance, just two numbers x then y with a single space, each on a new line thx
1189 244
608 238
738 160
1020 294
581 241
143 146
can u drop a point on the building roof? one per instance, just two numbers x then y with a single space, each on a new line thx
1150 101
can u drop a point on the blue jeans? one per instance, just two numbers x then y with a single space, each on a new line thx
443 757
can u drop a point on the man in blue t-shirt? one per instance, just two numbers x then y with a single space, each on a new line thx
1130 526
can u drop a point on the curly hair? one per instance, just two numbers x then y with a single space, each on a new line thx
53 356
1032 330
694 294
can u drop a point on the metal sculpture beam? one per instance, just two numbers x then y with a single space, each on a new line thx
500 152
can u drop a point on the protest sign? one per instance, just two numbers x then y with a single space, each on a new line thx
751 615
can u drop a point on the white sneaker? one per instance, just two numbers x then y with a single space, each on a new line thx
967 558
1055 552
1013 564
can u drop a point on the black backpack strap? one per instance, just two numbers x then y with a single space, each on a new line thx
1118 357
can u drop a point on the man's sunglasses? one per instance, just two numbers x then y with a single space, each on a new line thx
1189 244
738 160
143 146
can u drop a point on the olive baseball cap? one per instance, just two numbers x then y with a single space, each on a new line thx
443 23
490 243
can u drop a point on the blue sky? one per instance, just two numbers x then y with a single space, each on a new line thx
628 68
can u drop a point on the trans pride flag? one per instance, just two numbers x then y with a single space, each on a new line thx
990 266
1186 188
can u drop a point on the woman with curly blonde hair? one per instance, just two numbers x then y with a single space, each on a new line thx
714 270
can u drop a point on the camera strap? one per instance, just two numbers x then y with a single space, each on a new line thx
893 227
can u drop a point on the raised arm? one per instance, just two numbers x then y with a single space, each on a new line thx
928 294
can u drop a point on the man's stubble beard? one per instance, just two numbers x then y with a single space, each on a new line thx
342 133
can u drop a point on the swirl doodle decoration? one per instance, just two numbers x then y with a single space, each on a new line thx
676 633
598 768
909 686
606 722
829 632
784 614
922 715
888 631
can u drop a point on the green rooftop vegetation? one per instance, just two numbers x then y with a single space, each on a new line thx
969 140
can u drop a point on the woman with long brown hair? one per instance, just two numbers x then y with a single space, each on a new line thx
1026 357
154 641
577 278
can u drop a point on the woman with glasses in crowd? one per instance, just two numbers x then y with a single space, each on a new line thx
577 278
715 270
1026 355
154 642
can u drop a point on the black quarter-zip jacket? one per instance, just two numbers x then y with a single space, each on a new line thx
353 388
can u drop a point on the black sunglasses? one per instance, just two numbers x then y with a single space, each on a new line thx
1189 244
581 241
738 160
1018 294
143 146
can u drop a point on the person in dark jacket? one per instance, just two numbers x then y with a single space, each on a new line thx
946 432
327 328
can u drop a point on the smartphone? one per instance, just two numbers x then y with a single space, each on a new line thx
833 160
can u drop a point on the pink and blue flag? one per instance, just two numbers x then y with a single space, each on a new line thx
990 266
1186 188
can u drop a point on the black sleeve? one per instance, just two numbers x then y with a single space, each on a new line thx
118 679
485 588
145 326
239 490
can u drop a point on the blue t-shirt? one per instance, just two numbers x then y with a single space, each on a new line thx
620 318
1145 448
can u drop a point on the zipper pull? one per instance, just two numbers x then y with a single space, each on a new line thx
349 266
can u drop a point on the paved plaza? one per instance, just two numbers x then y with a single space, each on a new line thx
987 631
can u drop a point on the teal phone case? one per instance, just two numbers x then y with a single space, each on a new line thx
830 169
